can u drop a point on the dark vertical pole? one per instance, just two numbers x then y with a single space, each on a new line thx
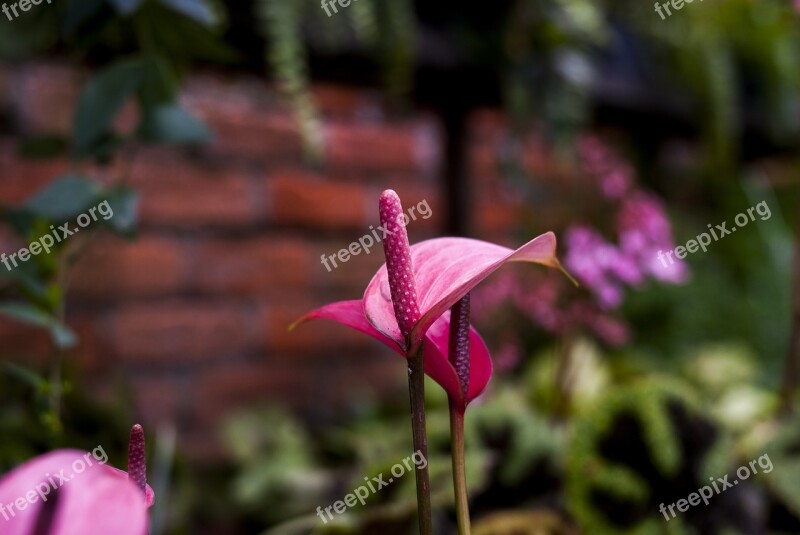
457 191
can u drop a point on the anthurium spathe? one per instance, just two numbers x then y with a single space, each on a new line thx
72 492
437 366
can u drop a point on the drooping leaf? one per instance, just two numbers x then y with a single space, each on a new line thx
159 82
173 124
63 199
124 203
101 101
62 336
198 10
29 377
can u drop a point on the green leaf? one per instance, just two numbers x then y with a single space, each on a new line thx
101 101
62 336
198 10
64 199
125 7
173 124
159 82
25 375
124 203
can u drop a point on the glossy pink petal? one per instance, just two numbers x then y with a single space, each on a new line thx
445 270
92 500
439 368
437 365
350 314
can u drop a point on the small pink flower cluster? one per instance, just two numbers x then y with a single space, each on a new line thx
603 266
544 301
641 226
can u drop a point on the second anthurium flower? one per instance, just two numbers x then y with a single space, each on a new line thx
69 492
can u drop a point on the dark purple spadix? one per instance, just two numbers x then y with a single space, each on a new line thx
458 353
137 465
398 263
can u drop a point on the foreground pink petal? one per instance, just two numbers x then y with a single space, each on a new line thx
72 498
445 270
437 365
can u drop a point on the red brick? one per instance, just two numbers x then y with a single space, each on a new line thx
248 120
347 280
91 354
399 148
496 219
222 390
180 331
344 102
160 400
44 97
487 125
413 196
305 199
24 344
484 164
311 337
181 193
253 266
20 179
114 268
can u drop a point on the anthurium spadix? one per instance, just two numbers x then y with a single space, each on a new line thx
72 492
443 271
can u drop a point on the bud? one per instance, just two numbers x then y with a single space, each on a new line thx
137 465
459 341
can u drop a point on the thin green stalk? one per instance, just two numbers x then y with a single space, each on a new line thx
459 467
416 390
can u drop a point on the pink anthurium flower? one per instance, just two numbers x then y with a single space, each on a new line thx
440 272
407 306
71 492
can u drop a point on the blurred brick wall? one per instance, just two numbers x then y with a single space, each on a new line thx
193 314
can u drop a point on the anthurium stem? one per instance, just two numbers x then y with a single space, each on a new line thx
459 467
416 389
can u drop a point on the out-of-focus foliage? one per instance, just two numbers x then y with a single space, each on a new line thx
640 437
141 49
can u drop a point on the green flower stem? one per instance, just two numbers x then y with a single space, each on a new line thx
459 470
416 389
